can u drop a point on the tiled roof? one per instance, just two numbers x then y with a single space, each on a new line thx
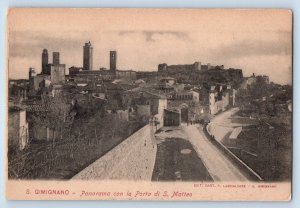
174 110
167 78
148 91
37 108
111 86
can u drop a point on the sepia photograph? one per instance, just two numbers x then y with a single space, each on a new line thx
149 104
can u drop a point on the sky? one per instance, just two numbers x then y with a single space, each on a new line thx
256 41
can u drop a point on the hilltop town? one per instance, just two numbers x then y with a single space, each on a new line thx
85 113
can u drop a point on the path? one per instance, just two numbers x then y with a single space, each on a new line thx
185 153
217 164
176 158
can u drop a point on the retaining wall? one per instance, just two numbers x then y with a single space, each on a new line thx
251 174
133 159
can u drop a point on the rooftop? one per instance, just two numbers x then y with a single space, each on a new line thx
167 78
151 93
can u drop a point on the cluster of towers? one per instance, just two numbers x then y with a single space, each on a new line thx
54 69
57 70
46 66
88 58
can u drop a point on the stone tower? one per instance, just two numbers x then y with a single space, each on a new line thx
45 62
58 73
55 57
162 68
31 73
88 56
197 66
113 61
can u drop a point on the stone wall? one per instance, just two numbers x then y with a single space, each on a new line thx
39 132
243 167
133 159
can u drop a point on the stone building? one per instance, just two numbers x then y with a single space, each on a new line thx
145 100
79 75
146 74
187 96
126 74
172 117
107 75
36 81
219 99
197 66
248 81
18 89
168 81
263 78
74 70
162 68
201 73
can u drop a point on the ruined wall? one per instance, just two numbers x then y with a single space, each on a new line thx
131 75
13 128
160 121
133 159
219 105
39 132
37 80
17 129
143 110
123 114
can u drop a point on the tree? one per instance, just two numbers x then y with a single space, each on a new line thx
57 115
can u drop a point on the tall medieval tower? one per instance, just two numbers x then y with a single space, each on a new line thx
113 61
88 56
55 58
45 62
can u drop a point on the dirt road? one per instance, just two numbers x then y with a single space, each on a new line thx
184 153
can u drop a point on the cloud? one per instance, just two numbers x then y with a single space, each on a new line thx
271 44
252 51
29 43
152 35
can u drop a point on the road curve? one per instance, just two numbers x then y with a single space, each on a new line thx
218 165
